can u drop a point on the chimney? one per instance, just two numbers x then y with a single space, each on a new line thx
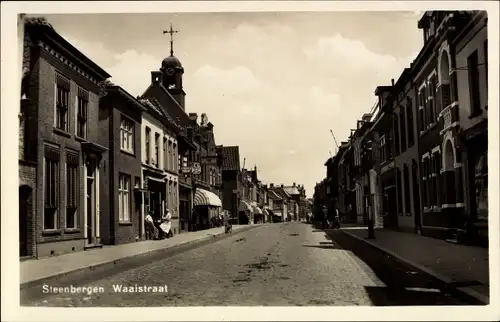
193 117
392 81
190 133
156 77
282 186
271 185
294 184
210 126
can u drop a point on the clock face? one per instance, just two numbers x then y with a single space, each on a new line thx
170 71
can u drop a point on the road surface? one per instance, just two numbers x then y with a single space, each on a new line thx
272 265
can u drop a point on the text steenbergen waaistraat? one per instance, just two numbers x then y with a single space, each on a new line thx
116 288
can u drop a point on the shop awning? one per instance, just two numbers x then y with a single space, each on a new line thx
245 206
265 212
256 208
204 197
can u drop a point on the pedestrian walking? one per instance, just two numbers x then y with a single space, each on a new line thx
337 217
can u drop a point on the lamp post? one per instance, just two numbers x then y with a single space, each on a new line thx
367 148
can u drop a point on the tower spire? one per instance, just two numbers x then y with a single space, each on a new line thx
171 32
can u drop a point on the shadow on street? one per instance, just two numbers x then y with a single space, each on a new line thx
404 284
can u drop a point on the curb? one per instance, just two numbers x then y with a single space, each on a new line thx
134 258
448 281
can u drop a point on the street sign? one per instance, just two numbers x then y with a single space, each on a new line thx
196 170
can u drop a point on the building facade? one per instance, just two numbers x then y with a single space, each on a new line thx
60 149
231 181
120 132
471 50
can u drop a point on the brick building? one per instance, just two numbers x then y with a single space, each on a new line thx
231 181
59 134
120 199
160 165
471 50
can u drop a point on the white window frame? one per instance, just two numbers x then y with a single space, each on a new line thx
56 213
124 200
126 133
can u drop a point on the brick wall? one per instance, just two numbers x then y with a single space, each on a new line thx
27 175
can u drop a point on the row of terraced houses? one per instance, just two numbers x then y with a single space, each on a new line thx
418 161
93 159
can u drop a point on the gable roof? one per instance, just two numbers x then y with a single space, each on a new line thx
155 105
273 195
291 190
230 158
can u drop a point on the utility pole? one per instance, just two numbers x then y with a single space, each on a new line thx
367 159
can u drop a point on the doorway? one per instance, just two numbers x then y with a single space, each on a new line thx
91 202
416 197
24 212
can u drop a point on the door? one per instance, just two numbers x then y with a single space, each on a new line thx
392 204
91 211
24 192
416 198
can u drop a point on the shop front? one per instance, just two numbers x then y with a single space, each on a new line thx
258 216
245 212
207 205
154 196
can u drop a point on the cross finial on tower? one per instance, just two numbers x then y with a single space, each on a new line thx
171 32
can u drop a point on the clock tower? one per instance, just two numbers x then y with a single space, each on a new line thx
172 71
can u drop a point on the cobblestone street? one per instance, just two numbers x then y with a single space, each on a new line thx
272 265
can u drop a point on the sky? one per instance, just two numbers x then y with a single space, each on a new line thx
272 83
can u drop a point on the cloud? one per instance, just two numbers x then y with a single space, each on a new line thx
233 81
271 88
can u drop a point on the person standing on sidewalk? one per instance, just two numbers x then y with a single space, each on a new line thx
151 230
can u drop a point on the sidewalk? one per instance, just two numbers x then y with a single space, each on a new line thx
36 270
464 267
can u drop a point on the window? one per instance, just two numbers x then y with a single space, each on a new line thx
170 155
406 175
485 48
127 134
147 145
51 187
402 121
421 111
165 154
72 166
399 191
437 178
170 201
431 96
157 149
409 122
124 198
383 156
82 112
175 157
472 67
431 179
62 102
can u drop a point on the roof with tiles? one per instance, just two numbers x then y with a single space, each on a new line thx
230 158
155 105
292 190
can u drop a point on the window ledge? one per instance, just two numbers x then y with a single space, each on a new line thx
125 223
71 230
127 152
51 232
79 138
475 114
62 132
